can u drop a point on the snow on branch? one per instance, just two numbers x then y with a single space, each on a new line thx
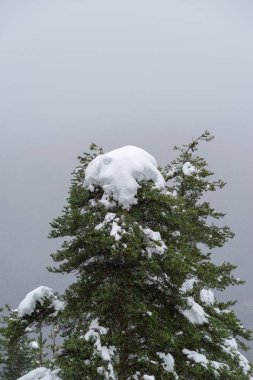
188 169
39 295
41 373
231 348
106 353
203 361
195 313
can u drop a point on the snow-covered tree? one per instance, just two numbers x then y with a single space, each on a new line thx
17 356
23 349
139 241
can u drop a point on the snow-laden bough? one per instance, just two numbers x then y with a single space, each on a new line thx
41 373
38 295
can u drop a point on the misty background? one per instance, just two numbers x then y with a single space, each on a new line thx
145 73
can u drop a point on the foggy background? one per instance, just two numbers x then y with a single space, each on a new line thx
147 73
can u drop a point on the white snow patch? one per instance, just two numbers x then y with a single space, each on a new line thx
100 370
106 353
154 236
92 203
34 345
159 281
148 377
218 365
57 304
231 344
173 170
207 296
188 169
202 360
41 373
108 218
168 361
136 376
119 171
116 230
196 313
107 202
188 284
196 357
231 347
28 304
176 233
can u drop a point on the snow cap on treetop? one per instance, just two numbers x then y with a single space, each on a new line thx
119 172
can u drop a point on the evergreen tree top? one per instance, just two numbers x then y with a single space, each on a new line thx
139 240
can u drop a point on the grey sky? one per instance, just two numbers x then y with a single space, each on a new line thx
151 74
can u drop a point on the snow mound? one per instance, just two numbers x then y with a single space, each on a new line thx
119 171
28 304
41 373
188 169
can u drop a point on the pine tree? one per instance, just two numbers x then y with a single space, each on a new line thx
27 348
17 356
39 312
142 305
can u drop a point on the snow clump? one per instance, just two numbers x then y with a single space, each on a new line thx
188 284
231 347
94 333
168 362
202 360
153 237
119 172
188 169
34 345
195 314
196 357
41 373
40 294
116 229
207 296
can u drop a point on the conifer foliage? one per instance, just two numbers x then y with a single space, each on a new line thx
139 242
16 354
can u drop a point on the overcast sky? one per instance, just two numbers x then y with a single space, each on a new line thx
147 73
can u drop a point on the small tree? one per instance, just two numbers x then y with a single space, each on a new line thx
17 356
25 343
142 305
